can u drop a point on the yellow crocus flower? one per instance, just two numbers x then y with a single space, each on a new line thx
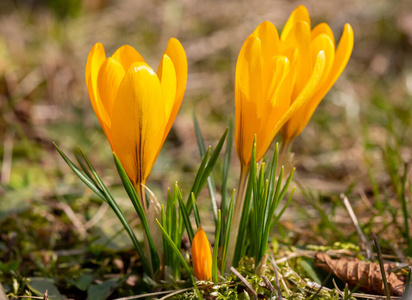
265 98
309 42
135 105
201 256
279 82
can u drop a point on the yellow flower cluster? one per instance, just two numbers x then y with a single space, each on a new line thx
281 80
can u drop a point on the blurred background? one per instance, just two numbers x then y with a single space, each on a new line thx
357 141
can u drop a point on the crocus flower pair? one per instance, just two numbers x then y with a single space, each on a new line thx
279 82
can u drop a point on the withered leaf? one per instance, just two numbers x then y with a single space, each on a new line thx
365 274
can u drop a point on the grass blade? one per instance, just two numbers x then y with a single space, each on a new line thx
225 174
198 178
195 210
226 238
246 209
212 161
210 180
405 212
180 257
216 248
131 192
113 204
382 269
185 216
83 177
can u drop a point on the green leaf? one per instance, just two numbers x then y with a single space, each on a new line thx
119 213
82 165
309 267
225 175
227 231
197 180
101 291
180 257
216 248
185 216
210 180
212 161
195 210
83 177
84 281
246 209
39 285
139 210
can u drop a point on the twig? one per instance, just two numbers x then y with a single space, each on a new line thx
268 283
378 250
153 294
171 294
363 296
323 284
98 216
7 158
272 260
243 279
72 216
364 240
2 293
174 292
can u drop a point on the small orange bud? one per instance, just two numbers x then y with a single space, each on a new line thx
201 256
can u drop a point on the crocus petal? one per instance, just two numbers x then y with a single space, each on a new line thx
168 84
126 56
138 121
305 94
201 256
322 28
268 35
248 97
341 58
94 61
278 104
303 66
177 54
343 53
323 43
299 14
110 76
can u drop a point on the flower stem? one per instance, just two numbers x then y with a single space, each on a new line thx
240 197
139 187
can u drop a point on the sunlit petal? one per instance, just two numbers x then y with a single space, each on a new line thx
322 28
138 121
278 104
303 66
126 56
305 94
341 58
299 14
323 43
248 95
110 76
168 84
94 61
